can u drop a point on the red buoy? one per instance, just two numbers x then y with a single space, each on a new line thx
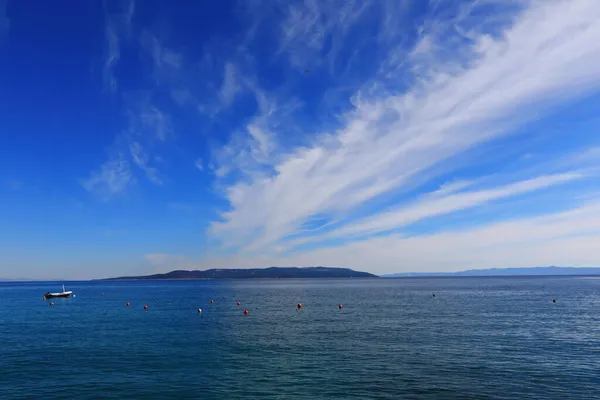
340 306
127 304
145 307
238 303
299 306
246 312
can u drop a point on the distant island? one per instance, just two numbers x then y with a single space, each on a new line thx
255 273
535 271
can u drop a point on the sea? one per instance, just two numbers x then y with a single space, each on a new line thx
408 338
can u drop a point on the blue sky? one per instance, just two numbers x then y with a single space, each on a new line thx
381 135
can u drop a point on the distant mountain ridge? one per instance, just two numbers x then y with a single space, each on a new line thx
535 271
256 273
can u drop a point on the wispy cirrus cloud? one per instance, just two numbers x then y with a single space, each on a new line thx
337 127
165 63
134 148
252 147
439 203
565 238
230 86
309 26
465 85
113 177
118 28
146 125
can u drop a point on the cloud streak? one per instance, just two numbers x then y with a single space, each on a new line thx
397 138
310 24
338 130
436 204
118 27
147 125
525 242
230 86
566 238
132 150
112 178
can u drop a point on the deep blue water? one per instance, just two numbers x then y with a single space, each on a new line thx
478 338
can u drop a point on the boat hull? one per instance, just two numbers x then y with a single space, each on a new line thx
56 295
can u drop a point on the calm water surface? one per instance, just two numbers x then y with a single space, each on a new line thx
478 338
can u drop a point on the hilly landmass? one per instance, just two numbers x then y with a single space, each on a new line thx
535 271
255 273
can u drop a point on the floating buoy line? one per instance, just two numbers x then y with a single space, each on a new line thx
299 306
199 310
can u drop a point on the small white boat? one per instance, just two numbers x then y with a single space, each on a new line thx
64 293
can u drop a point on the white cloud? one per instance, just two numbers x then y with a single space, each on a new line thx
438 204
112 178
393 139
147 127
117 29
151 121
452 187
564 239
309 24
567 238
252 148
165 61
112 57
141 159
230 86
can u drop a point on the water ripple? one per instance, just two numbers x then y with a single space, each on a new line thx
477 339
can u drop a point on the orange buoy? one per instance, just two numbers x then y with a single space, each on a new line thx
212 301
145 307
340 306
238 303
127 304
299 306
246 312
199 310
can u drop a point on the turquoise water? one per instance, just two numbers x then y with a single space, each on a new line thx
492 338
